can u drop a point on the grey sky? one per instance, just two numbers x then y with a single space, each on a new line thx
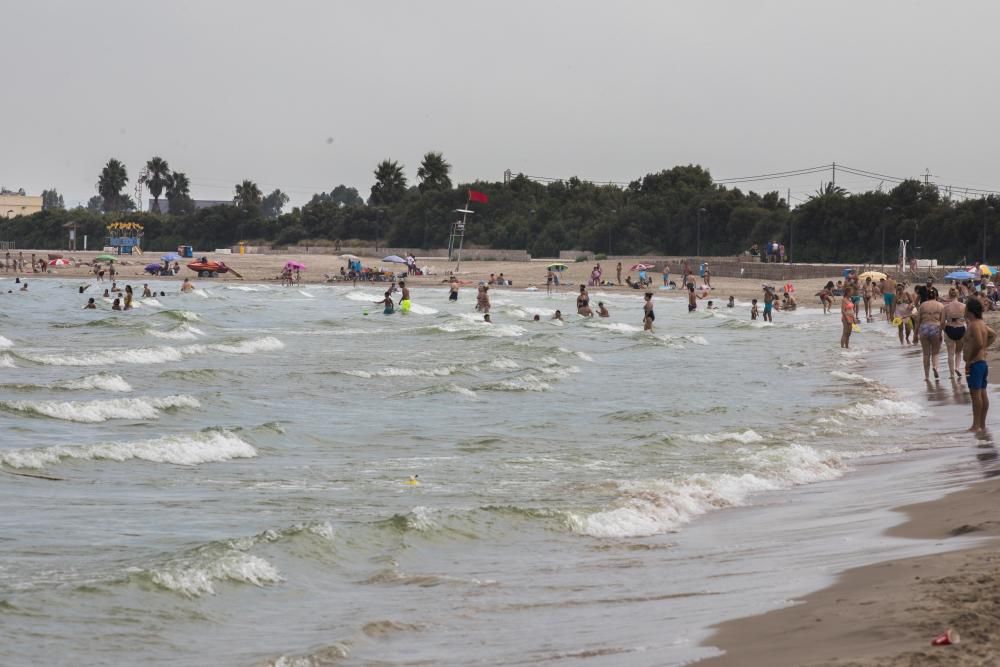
226 90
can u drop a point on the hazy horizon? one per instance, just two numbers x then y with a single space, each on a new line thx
306 95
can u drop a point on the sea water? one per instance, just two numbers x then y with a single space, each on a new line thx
223 477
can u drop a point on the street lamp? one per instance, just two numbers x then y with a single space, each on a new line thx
701 212
988 209
888 212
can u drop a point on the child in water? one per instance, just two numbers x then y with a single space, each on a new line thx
732 303
753 309
390 307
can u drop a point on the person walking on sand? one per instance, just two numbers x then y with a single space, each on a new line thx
930 321
978 337
666 276
618 271
848 318
954 332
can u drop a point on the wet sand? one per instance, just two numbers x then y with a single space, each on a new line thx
886 614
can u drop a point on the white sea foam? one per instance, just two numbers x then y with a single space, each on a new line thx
422 310
883 407
307 294
584 356
745 437
661 506
618 327
206 447
7 361
6 342
526 382
139 355
150 301
414 372
183 332
197 576
101 381
99 411
504 364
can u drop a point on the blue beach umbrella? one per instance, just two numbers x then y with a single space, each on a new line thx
960 275
396 259
171 257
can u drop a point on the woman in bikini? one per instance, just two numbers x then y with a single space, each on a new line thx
867 290
904 314
583 303
930 321
848 318
647 312
954 331
826 297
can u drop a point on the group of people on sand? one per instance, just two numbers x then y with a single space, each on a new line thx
924 317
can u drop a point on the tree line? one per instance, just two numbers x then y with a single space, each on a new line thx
676 211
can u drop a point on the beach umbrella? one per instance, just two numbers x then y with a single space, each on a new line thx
106 258
395 259
960 275
348 255
171 257
874 275
291 264
641 267
153 268
58 262
986 270
557 267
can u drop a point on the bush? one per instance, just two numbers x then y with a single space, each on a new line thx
600 257
582 258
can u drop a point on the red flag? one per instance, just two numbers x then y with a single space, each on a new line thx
478 196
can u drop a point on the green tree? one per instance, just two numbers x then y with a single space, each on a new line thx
345 196
271 205
112 181
95 204
433 173
248 196
52 200
390 183
179 193
157 179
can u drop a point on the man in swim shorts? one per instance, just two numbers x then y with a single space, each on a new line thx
889 297
978 337
404 297
768 304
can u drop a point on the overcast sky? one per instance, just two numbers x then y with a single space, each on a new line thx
306 94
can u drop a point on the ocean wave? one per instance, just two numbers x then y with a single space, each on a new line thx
99 411
883 407
152 355
618 327
745 437
101 381
526 382
182 332
182 315
195 577
7 361
6 342
504 364
660 506
205 447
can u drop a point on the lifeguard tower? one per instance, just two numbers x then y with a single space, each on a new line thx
125 237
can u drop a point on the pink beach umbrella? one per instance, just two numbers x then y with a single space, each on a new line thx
59 262
297 266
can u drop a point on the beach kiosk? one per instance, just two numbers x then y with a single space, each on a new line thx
125 237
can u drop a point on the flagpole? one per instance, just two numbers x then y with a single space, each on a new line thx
461 239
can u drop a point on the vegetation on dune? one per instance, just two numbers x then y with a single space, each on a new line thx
661 213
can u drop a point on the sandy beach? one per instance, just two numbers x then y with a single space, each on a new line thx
885 614
267 269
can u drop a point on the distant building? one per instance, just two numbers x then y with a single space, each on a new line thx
13 204
198 204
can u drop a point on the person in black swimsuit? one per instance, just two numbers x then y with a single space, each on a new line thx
583 303
648 315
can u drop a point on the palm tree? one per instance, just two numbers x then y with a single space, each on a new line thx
157 177
390 183
113 179
248 195
433 173
178 192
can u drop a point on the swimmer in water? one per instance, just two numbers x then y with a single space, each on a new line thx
754 312
413 480
453 286
24 287
486 318
389 307
128 297
90 304
117 305
146 291
602 310
536 318
186 286
583 303
732 303
558 316
107 293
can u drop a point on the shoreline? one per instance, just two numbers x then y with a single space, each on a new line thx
887 612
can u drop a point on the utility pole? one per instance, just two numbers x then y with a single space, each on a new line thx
833 181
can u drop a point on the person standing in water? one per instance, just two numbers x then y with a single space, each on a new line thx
930 321
618 271
692 298
483 299
648 316
404 297
848 318
128 297
954 332
978 337
769 304
453 289
867 292
388 306
583 303
602 311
